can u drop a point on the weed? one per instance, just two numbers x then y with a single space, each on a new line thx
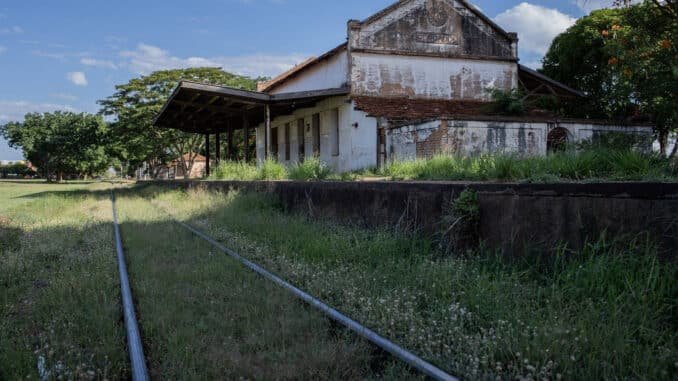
480 316
272 170
311 169
569 165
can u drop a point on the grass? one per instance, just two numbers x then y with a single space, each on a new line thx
571 165
59 298
587 164
243 171
311 169
204 316
607 312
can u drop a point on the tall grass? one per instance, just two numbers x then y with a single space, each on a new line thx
243 171
591 163
235 170
309 170
571 165
607 312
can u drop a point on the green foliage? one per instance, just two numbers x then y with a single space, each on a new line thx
507 102
16 169
606 312
235 171
579 58
61 142
135 105
461 224
625 60
645 54
594 162
311 169
272 170
243 171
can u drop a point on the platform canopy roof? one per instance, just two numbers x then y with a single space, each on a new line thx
207 109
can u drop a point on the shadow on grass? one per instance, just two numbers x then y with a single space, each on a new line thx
63 307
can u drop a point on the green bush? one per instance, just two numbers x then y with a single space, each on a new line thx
570 165
309 170
507 102
235 171
272 170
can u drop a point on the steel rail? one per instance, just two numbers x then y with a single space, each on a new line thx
401 353
136 349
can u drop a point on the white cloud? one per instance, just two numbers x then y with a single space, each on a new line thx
536 26
64 96
11 30
60 56
77 77
15 110
148 58
2 49
102 64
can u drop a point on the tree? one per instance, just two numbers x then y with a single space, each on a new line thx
579 58
643 50
61 143
17 169
625 60
135 104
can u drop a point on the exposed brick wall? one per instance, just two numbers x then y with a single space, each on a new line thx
435 143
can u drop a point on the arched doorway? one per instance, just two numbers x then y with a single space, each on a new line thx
557 140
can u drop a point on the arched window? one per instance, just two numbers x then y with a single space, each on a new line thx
557 140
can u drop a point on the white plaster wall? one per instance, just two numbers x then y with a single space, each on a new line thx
584 131
479 137
329 74
430 77
357 144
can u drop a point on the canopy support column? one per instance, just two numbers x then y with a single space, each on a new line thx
217 142
246 134
207 155
267 123
231 154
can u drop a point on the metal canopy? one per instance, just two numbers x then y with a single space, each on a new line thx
207 109
537 83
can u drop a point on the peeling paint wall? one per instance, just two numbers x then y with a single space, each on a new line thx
357 136
429 77
329 74
435 49
444 27
469 137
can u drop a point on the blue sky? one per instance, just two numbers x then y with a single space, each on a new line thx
67 54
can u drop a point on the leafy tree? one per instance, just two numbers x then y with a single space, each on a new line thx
18 169
625 59
579 58
135 104
61 143
643 51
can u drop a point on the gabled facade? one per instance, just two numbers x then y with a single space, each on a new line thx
412 80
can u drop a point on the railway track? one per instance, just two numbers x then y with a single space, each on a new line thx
134 345
136 354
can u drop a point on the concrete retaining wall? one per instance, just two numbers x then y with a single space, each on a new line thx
513 216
